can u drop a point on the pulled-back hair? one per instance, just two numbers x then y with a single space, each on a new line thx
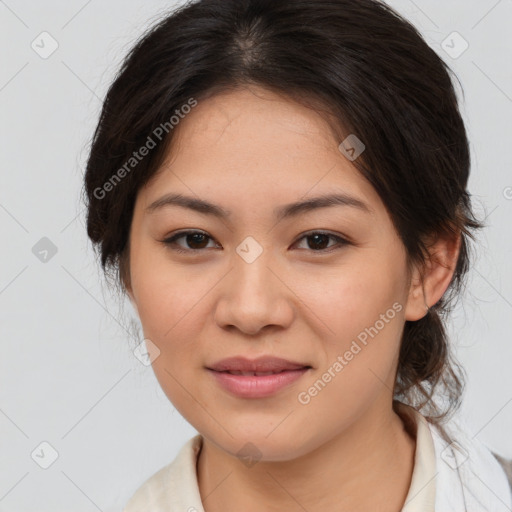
367 71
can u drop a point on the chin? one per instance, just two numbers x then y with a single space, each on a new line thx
252 443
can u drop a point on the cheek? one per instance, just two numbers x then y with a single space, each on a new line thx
170 316
344 301
358 314
173 307
166 292
362 320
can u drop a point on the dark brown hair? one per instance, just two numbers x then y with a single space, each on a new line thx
367 70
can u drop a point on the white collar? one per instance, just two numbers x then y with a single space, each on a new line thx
443 478
459 476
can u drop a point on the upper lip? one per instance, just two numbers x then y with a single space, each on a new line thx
260 364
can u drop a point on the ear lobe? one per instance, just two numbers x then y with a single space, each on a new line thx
415 307
429 284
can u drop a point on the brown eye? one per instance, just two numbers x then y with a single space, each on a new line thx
194 240
318 241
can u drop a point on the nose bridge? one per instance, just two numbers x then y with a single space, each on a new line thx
252 279
252 275
253 296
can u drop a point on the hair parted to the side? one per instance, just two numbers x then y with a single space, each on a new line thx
367 71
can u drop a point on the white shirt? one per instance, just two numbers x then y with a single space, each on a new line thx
174 488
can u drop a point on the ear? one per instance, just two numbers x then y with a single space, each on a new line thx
429 283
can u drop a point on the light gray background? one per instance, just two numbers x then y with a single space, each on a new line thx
68 376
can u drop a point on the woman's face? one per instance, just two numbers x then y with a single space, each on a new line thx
258 283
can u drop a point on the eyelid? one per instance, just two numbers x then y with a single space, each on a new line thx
170 241
342 240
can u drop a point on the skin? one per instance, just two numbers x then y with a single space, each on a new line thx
250 151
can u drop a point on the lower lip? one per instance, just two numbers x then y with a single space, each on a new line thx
254 386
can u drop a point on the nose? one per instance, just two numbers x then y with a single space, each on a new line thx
255 296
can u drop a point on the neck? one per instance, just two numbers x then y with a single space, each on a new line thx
368 466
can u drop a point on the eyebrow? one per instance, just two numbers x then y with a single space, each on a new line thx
282 212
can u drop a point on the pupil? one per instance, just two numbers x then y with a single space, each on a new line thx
319 241
196 240
316 237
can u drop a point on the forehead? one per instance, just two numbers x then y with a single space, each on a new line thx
228 111
255 144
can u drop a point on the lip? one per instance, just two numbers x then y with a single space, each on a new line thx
254 386
257 386
260 364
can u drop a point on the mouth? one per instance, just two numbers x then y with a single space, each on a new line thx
253 384
259 374
266 364
256 378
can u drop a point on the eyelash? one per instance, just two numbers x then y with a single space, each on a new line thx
171 241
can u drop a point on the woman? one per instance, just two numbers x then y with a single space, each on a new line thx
280 188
